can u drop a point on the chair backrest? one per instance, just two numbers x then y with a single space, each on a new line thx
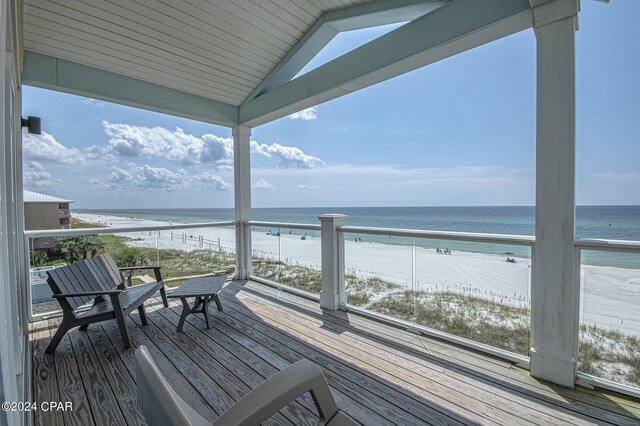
160 404
99 273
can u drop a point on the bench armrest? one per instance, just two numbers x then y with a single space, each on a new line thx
131 268
156 270
87 293
278 391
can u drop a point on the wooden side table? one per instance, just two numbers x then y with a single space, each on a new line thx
204 290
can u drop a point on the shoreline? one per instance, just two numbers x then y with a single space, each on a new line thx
609 298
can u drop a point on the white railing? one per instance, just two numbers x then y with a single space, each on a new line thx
265 251
608 245
332 280
470 237
510 240
631 296
465 237
285 225
123 229
154 240
345 243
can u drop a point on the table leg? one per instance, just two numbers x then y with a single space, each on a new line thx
205 310
217 300
186 310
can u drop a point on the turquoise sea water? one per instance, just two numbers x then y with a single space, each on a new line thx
608 222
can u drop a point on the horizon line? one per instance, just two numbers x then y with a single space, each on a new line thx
341 207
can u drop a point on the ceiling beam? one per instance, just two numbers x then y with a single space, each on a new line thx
329 24
70 77
458 26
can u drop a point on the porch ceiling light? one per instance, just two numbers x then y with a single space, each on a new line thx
32 124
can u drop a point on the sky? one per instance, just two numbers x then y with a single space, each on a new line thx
457 132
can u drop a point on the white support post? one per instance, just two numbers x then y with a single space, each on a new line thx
554 288
332 260
242 182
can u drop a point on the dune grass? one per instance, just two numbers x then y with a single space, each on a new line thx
80 224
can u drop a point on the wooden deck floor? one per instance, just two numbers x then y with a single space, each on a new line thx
379 374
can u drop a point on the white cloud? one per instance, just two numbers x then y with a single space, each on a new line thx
36 176
148 178
303 186
126 140
305 114
93 102
619 177
288 156
135 141
45 147
213 181
263 184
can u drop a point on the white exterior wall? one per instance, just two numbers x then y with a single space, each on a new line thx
13 266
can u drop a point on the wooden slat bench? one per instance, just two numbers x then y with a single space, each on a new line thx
99 280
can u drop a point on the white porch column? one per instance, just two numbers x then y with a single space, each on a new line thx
242 188
332 260
554 287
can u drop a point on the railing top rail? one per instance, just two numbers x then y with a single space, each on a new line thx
304 226
523 240
607 245
114 230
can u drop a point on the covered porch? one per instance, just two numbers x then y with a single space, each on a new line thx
236 67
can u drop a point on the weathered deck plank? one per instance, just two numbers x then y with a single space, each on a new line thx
45 384
440 381
469 365
354 408
231 374
104 405
121 381
378 374
70 383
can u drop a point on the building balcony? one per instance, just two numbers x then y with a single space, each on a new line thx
378 374
64 213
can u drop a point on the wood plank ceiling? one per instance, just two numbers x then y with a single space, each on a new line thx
218 49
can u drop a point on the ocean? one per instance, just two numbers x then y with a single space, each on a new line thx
608 222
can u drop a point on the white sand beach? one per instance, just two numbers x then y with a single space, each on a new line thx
610 296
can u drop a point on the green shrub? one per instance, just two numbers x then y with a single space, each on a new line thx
37 258
129 256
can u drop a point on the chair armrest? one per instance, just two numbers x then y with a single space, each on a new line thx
278 391
87 293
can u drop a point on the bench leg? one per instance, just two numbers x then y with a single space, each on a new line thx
143 315
55 341
122 326
163 293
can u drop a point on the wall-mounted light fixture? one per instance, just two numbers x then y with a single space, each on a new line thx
32 124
